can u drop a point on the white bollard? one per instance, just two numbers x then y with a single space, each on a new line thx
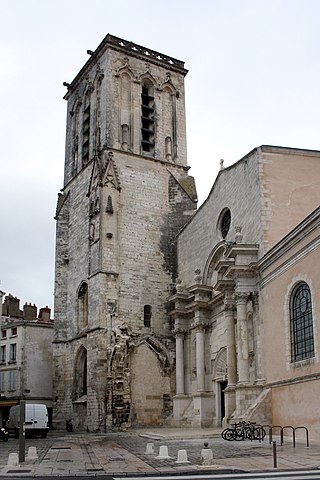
32 453
182 457
150 449
163 452
206 457
13 460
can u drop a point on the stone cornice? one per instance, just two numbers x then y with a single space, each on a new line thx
241 270
307 226
80 335
180 296
235 249
127 154
200 289
129 49
198 305
216 300
223 284
290 381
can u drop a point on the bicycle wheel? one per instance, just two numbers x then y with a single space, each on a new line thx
258 433
228 434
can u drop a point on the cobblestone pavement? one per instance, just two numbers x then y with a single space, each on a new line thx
125 453
220 449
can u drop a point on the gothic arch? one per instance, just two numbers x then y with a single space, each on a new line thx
82 306
162 354
125 69
125 110
168 87
76 105
169 123
147 78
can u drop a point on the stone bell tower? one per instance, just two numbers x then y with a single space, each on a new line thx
126 195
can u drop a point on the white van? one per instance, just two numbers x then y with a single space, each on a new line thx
36 420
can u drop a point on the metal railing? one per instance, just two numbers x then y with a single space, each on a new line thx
293 430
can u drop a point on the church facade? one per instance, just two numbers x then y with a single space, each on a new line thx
126 194
165 314
246 309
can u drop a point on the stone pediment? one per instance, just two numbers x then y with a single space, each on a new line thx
111 177
104 173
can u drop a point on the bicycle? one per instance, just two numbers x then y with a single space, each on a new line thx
244 431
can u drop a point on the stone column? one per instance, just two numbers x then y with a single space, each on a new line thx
179 363
200 358
242 330
231 341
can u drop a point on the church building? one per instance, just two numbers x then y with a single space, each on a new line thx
165 314
246 307
126 194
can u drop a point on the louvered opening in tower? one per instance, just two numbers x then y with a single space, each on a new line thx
147 119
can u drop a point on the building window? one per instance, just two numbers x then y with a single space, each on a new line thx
147 118
80 378
224 222
301 324
82 306
86 130
147 316
3 354
12 380
2 376
13 331
4 333
13 352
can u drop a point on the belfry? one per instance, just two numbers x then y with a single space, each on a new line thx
126 195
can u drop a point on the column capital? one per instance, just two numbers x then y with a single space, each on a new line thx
180 332
241 297
200 325
229 301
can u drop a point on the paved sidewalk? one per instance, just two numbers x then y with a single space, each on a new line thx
116 454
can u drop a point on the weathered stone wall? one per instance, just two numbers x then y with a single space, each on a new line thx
116 223
102 79
148 397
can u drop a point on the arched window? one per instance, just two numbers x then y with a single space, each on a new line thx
80 378
147 117
82 306
301 323
147 316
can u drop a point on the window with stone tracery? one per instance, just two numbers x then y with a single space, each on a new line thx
301 323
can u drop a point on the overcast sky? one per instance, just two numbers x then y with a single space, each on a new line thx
253 79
